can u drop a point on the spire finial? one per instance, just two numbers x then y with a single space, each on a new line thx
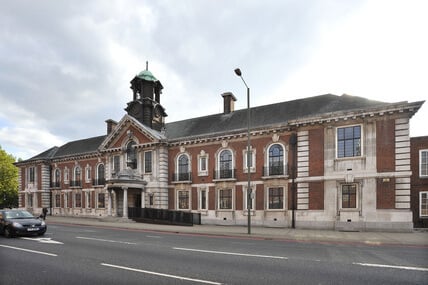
147 65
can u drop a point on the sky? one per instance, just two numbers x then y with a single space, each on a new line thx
65 66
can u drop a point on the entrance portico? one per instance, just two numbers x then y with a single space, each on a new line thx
126 182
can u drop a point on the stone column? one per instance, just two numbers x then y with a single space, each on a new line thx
125 202
109 203
114 202
143 199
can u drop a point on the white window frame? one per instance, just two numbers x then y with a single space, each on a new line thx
77 167
357 197
202 172
177 166
218 166
189 200
151 162
75 200
361 141
421 151
31 169
87 200
98 200
66 175
420 203
232 201
284 198
284 158
66 200
57 205
56 178
253 198
88 170
200 190
253 160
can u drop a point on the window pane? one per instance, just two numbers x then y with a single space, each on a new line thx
183 199
349 133
101 200
203 194
423 204
203 162
424 163
349 141
276 198
148 162
349 196
225 199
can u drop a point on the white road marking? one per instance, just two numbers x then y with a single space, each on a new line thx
28 250
153 236
106 240
43 240
392 266
231 253
160 274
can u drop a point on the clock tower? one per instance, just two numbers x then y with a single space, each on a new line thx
145 106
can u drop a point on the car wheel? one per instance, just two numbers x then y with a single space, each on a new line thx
8 232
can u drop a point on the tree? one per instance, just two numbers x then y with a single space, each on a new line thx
8 180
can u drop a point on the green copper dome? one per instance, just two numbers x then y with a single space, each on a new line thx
146 75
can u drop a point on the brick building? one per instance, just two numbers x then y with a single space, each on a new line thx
419 181
330 162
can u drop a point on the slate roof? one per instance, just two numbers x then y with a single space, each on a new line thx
80 146
267 115
77 147
261 116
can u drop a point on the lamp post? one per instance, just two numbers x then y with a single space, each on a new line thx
249 190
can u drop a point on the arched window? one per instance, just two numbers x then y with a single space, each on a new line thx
226 164
56 178
77 177
131 155
183 168
57 175
100 175
276 160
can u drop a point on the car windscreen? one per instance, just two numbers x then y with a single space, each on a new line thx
18 215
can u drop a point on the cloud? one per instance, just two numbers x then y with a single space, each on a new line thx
68 64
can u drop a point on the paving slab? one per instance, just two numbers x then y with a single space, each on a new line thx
414 238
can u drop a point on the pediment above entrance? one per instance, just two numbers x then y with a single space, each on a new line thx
130 129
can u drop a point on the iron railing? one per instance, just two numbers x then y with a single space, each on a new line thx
163 216
183 176
75 183
275 170
99 181
224 173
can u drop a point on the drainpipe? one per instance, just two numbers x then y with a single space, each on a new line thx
293 166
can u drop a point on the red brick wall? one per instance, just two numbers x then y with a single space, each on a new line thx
260 197
316 195
385 193
316 152
418 184
385 145
239 198
171 198
194 198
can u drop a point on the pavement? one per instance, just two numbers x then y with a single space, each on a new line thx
418 237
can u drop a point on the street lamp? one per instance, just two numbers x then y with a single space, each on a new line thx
249 190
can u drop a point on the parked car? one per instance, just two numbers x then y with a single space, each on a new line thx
20 222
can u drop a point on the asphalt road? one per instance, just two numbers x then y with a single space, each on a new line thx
91 255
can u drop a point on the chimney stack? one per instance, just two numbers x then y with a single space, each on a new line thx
229 102
111 124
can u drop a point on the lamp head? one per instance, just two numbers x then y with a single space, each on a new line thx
238 72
